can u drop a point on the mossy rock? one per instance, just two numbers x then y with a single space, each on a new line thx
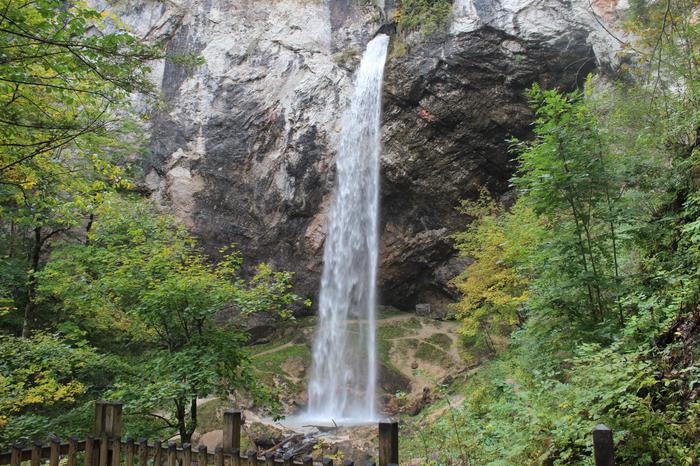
210 414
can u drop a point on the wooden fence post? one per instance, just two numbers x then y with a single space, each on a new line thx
116 454
202 456
73 450
113 419
143 452
388 443
157 453
100 415
16 457
108 423
55 451
172 454
89 457
603 446
252 457
129 452
36 454
232 430
104 450
186 454
236 457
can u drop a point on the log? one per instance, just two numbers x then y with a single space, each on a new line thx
186 454
129 452
116 451
89 450
36 454
172 454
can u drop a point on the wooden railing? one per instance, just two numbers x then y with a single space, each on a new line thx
106 448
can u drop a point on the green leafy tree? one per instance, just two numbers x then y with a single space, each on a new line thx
43 378
144 276
568 177
494 287
611 176
59 80
63 133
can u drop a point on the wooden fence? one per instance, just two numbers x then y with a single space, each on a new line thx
105 448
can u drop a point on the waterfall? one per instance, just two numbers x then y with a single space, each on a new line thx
343 380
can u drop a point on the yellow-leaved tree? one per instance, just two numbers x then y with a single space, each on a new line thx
494 287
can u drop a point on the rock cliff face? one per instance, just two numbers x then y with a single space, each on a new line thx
243 146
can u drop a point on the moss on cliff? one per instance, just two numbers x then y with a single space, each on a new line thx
426 16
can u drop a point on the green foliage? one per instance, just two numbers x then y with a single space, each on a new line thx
65 133
603 241
494 286
41 378
100 295
568 178
142 274
59 82
426 16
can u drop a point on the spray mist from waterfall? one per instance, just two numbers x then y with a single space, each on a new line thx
343 381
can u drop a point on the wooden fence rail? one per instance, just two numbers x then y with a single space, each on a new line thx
106 448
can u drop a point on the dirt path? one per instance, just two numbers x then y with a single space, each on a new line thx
274 350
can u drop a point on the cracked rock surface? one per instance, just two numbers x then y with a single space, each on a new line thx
243 147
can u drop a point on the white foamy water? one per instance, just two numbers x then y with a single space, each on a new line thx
342 387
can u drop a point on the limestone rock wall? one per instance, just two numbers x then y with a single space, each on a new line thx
243 146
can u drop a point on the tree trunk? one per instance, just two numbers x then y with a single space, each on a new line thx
35 255
193 418
181 421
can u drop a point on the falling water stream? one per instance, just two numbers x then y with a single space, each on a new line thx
342 388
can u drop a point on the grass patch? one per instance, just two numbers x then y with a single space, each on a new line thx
404 346
384 348
257 349
390 331
387 311
440 340
273 361
412 323
428 352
